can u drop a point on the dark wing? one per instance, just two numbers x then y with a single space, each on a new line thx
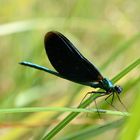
68 61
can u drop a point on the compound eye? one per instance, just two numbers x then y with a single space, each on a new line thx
118 89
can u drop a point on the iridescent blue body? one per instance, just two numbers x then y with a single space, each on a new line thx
108 86
70 64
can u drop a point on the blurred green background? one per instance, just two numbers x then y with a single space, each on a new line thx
106 32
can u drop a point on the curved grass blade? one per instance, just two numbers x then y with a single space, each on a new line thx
94 131
72 115
61 109
121 48
126 70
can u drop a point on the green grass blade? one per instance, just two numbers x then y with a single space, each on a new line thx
126 70
60 109
72 115
132 127
94 131
124 46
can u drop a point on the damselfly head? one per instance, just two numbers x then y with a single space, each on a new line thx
118 89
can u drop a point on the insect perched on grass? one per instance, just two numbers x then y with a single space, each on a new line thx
70 64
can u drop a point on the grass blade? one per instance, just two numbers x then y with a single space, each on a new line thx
94 131
126 70
72 115
60 109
